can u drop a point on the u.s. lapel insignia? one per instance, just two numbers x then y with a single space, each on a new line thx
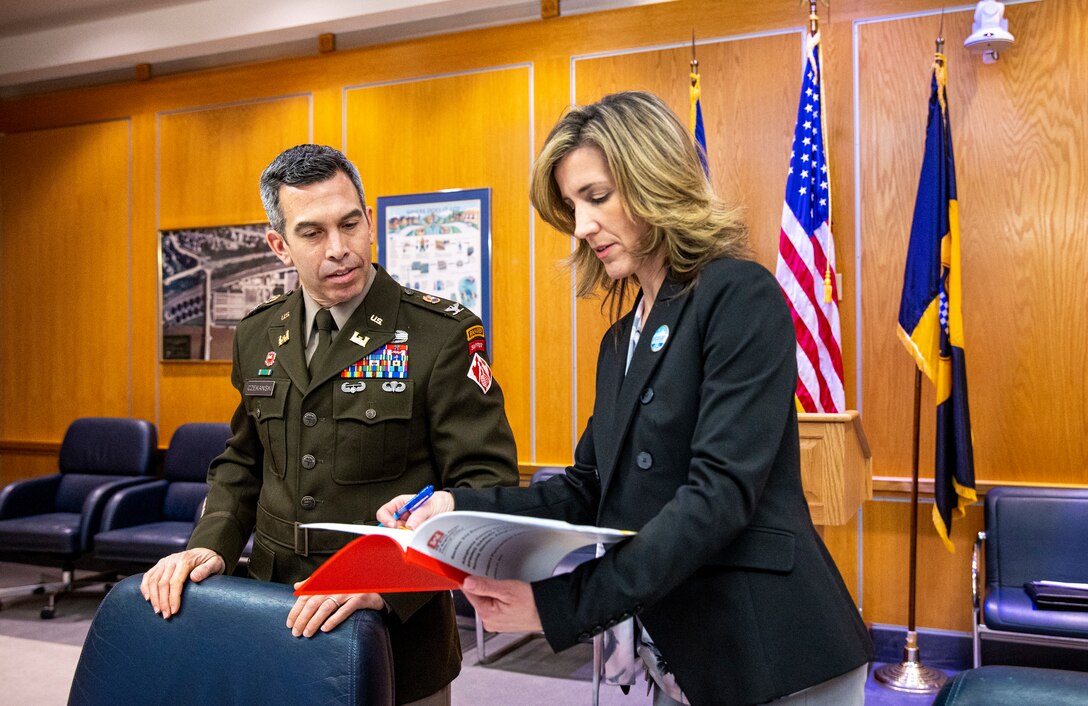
660 336
285 316
284 338
359 340
376 319
270 359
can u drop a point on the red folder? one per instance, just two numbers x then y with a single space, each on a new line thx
378 564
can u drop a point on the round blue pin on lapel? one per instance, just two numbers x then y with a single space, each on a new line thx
660 336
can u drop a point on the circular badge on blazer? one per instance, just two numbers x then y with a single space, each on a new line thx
660 336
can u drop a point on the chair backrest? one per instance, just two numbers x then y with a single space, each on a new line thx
192 448
1035 534
115 446
228 645
96 450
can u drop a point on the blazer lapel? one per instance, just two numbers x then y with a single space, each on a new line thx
289 342
664 318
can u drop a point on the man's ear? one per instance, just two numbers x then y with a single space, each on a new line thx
279 247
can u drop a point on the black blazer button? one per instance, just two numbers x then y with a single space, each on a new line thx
647 395
309 419
308 503
644 460
308 461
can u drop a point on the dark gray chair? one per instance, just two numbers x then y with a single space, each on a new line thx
52 520
144 523
1032 534
228 645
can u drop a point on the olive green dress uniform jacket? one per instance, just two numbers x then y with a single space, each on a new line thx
325 448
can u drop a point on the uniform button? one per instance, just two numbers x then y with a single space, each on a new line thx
644 460
370 413
647 395
309 419
308 502
308 461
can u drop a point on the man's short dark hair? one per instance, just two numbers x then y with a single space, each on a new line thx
299 166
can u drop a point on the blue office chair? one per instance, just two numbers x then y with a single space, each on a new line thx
228 645
144 523
52 520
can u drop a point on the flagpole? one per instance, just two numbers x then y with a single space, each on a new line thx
911 675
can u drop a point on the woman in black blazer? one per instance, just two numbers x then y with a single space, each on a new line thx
693 439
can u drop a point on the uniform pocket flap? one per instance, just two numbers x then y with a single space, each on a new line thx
373 400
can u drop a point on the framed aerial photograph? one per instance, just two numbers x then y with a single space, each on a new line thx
210 279
440 243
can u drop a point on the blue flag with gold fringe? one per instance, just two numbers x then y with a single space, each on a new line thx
697 129
931 315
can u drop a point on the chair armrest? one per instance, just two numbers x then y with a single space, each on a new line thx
33 496
135 505
96 501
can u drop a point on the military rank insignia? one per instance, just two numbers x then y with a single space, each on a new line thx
389 361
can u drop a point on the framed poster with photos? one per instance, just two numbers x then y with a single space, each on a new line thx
440 243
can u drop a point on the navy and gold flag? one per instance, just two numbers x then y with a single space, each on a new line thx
697 130
931 314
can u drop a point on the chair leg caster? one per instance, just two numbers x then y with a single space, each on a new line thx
48 613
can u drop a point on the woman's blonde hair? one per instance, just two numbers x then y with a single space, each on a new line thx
656 169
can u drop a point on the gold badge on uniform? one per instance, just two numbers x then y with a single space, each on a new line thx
284 338
359 340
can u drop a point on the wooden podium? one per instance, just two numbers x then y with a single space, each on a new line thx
836 466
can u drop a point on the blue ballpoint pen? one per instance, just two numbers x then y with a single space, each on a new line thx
420 498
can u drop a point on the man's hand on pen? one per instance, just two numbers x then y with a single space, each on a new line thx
313 613
438 503
503 606
162 584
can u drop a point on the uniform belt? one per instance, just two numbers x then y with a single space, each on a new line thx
300 540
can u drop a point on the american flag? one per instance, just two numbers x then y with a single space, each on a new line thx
806 252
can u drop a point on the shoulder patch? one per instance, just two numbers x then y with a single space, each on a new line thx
266 304
437 304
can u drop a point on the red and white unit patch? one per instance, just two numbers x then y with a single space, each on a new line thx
480 372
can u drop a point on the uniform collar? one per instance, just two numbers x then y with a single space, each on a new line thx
340 312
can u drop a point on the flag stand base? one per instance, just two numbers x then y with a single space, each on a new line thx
911 675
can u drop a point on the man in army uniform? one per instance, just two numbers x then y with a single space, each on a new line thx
353 390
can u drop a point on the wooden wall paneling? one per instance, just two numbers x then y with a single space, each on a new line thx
64 295
944 578
555 371
194 391
144 345
209 165
470 130
21 461
1021 174
210 159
